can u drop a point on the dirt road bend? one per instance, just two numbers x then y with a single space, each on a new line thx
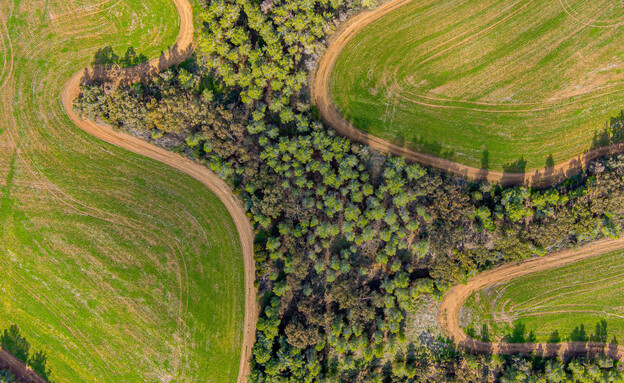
330 114
178 53
456 297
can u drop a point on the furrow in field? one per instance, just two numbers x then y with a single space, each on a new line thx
455 299
329 112
178 53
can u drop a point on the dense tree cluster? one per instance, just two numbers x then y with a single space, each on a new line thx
348 239
266 48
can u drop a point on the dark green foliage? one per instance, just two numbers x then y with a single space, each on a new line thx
554 337
518 334
332 211
579 334
7 377
37 362
14 343
600 336
343 231
107 57
485 333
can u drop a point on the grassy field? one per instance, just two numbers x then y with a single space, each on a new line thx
582 293
122 269
489 83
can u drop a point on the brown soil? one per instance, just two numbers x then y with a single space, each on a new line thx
18 368
178 53
457 296
329 113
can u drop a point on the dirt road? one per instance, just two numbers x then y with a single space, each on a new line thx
457 296
19 368
330 115
178 53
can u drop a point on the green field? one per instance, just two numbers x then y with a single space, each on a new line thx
582 293
120 268
496 84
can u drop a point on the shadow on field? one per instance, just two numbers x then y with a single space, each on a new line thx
521 342
132 67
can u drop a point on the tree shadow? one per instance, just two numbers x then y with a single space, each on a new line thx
132 67
106 57
517 166
513 172
522 342
485 166
612 133
612 348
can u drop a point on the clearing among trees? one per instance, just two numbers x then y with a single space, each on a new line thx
581 301
511 86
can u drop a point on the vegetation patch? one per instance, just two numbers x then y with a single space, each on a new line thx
578 302
353 246
506 86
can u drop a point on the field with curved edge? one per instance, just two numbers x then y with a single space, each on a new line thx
502 85
118 266
557 300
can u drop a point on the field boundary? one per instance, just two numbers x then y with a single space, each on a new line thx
19 368
456 297
329 113
182 49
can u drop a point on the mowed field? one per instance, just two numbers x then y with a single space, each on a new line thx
120 268
582 293
497 84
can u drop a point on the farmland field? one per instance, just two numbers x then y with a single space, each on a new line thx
581 293
119 267
502 85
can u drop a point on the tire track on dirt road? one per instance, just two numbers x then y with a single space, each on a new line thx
178 53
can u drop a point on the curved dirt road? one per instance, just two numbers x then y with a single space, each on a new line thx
178 53
456 297
329 114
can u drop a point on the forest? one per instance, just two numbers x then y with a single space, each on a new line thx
349 241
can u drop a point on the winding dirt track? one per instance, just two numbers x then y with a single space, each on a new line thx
332 116
456 297
178 53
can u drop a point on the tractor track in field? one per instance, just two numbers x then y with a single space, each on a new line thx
456 297
182 49
329 113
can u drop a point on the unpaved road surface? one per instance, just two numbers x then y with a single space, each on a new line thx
19 368
457 296
178 53
329 114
